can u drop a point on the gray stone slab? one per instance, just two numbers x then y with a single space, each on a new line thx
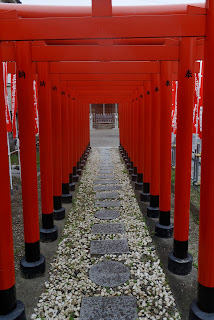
106 167
107 195
106 187
108 228
109 274
106 214
109 308
104 176
101 247
106 163
107 204
105 171
106 181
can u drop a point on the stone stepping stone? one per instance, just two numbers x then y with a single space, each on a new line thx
101 247
108 228
103 181
109 274
107 195
102 176
106 163
105 172
109 308
106 214
106 167
106 188
107 204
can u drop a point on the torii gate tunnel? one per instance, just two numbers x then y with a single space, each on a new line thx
105 54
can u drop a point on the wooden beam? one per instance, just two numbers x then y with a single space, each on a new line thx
105 67
105 53
180 25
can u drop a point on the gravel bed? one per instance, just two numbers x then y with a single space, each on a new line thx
68 277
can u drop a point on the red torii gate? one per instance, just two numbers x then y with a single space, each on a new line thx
192 22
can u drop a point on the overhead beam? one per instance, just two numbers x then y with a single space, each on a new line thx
105 67
91 77
180 25
42 52
104 83
105 53
43 11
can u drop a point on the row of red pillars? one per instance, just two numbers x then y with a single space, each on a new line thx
145 145
64 147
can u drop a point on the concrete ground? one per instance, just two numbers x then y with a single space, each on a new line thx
104 138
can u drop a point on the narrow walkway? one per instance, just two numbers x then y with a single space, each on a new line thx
106 267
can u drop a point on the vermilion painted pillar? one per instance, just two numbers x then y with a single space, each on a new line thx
81 149
127 124
203 307
59 211
66 195
140 145
9 305
131 137
144 196
48 232
33 264
180 261
135 139
164 228
75 150
78 137
125 134
70 141
153 208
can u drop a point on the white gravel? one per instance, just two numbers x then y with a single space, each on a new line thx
68 277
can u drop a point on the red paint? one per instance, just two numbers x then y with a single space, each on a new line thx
24 74
155 135
165 136
186 87
7 270
56 135
45 137
65 134
206 239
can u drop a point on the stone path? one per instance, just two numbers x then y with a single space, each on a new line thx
108 273
106 266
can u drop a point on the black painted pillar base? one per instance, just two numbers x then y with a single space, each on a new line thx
131 169
48 235
48 231
180 261
66 195
153 209
18 313
139 183
79 171
81 165
59 214
197 314
164 229
32 265
59 211
203 308
145 195
72 186
10 308
178 266
75 175
71 183
134 175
